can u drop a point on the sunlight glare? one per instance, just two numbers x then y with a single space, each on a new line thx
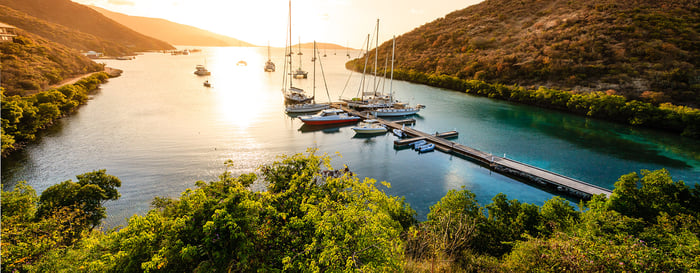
239 89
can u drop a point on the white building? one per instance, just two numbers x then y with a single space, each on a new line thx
6 32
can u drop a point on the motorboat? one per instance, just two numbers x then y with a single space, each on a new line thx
370 126
200 70
207 84
329 116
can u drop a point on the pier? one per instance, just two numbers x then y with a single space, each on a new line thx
508 167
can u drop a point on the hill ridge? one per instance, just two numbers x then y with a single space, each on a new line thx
173 33
630 46
74 17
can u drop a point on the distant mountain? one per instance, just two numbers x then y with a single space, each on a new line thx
322 46
173 33
78 18
630 46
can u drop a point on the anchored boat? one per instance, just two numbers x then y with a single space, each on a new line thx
329 116
370 126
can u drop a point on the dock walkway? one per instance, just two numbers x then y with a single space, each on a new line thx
500 164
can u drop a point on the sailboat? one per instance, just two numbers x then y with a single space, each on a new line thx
399 108
291 94
300 74
370 100
313 106
269 65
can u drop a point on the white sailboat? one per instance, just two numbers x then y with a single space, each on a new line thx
299 73
370 100
398 109
269 65
291 94
313 106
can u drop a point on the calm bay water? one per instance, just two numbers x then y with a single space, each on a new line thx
159 130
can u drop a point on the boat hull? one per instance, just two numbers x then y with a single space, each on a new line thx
359 130
395 113
306 108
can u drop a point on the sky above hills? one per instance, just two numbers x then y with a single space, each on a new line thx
343 22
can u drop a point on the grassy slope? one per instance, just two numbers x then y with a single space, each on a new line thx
83 19
630 46
31 63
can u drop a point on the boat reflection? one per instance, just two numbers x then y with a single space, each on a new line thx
368 135
326 129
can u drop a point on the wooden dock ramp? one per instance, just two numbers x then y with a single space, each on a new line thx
502 165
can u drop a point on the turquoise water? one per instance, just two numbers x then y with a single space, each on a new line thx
159 130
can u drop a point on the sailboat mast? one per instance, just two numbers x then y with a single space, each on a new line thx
376 54
364 70
314 85
393 48
299 54
290 44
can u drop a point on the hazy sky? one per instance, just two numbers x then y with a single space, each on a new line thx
260 21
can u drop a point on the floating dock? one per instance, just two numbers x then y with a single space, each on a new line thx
502 165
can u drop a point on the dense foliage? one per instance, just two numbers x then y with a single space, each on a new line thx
631 46
607 105
64 213
76 26
313 220
649 224
24 117
31 64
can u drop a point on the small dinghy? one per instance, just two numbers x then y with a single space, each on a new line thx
417 144
398 133
426 148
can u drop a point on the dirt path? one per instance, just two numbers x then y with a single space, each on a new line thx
111 71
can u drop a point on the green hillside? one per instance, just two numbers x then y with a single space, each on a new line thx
173 33
630 46
105 35
30 64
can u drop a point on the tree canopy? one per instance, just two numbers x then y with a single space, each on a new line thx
312 218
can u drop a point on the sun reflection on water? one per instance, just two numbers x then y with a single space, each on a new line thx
241 96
